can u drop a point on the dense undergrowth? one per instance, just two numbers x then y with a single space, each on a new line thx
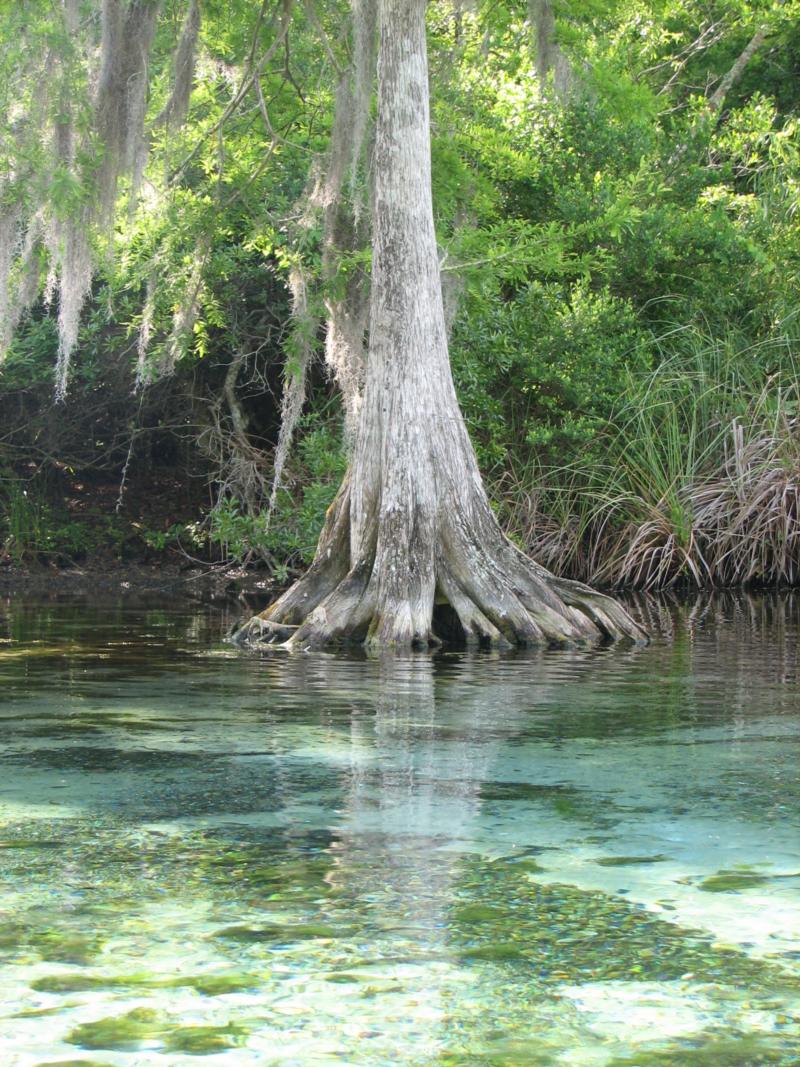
626 343
696 477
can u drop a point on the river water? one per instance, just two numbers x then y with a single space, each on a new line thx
585 858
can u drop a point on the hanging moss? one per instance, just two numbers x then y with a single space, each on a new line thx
177 106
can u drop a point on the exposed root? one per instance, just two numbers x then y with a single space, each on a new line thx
342 617
608 615
477 629
258 631
327 570
498 598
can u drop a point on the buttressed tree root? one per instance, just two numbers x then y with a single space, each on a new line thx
469 584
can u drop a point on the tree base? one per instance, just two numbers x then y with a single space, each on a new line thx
345 622
480 591
411 527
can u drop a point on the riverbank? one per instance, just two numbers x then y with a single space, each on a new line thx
205 584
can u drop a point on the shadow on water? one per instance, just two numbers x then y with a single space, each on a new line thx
587 857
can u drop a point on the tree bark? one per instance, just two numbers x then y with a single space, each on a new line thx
411 526
549 57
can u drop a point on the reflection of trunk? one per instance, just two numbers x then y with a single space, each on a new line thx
392 811
412 523
411 810
549 58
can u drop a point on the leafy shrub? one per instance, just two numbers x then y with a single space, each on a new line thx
540 373
700 482
288 537
32 527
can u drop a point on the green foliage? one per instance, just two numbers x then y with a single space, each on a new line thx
633 298
24 522
288 537
32 528
541 372
629 265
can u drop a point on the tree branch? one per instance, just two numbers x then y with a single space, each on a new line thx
717 99
244 87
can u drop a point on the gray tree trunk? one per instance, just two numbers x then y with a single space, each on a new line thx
411 526
717 99
549 58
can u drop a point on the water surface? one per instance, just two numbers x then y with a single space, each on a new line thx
564 858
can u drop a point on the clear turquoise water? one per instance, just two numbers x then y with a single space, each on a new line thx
585 859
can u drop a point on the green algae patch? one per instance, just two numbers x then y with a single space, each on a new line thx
566 800
496 951
526 864
205 1040
13 935
218 985
295 879
550 933
60 946
278 934
82 983
74 1063
123 1033
628 861
28 842
370 992
477 913
737 1051
505 1052
733 881
40 1013
212 985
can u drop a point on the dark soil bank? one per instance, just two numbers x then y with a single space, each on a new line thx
123 579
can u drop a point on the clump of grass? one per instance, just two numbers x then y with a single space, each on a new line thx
22 519
750 515
696 479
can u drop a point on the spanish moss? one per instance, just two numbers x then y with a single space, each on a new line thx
73 257
127 36
145 332
186 313
294 384
21 285
176 108
9 244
